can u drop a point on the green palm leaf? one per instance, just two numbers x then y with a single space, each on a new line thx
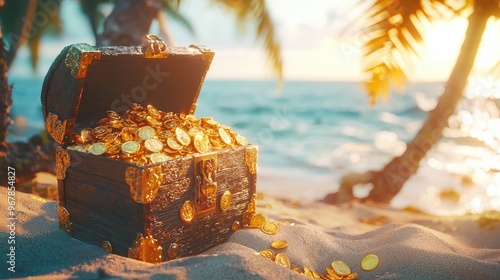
256 11
394 31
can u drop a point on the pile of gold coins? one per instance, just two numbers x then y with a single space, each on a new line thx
337 270
147 135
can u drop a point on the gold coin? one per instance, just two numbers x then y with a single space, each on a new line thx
225 200
282 260
164 134
99 132
130 147
171 123
352 276
182 136
341 268
97 148
332 274
269 228
174 144
86 135
224 136
192 118
153 145
308 272
195 130
369 262
112 115
113 150
110 138
158 157
296 269
79 148
201 143
257 220
240 140
136 107
187 211
267 253
279 244
315 275
127 134
146 132
153 112
129 123
154 122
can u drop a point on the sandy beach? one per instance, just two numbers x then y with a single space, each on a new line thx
410 245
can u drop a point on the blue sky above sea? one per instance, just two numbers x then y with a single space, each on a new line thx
317 44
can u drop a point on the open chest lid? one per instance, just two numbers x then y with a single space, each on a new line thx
84 82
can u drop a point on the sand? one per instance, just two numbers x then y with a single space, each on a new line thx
410 245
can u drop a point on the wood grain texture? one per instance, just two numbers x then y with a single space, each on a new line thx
101 209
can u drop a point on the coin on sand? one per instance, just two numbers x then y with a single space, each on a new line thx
282 260
146 132
269 228
267 253
257 220
369 262
97 149
279 244
130 147
341 268
153 145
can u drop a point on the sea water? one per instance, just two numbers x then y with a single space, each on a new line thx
310 134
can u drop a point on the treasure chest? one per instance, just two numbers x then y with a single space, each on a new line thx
151 211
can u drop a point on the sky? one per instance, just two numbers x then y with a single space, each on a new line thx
315 43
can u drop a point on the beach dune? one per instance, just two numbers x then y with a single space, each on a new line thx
409 245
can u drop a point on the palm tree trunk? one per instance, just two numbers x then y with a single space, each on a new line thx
389 181
129 23
5 95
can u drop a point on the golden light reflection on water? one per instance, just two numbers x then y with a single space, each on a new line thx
478 119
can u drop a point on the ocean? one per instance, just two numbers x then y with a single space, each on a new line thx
312 133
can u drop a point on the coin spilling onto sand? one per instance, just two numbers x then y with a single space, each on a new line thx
279 244
269 228
282 260
370 262
341 268
267 253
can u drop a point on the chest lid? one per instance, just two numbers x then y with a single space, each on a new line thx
84 82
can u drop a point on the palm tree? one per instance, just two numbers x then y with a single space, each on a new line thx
394 31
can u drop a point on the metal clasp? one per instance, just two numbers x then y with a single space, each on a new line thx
205 175
157 47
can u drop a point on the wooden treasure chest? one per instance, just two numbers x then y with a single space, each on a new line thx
114 190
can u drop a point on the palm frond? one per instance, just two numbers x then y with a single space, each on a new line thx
90 8
394 34
52 26
172 9
247 11
37 18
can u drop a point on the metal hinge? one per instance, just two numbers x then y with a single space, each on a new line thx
157 47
